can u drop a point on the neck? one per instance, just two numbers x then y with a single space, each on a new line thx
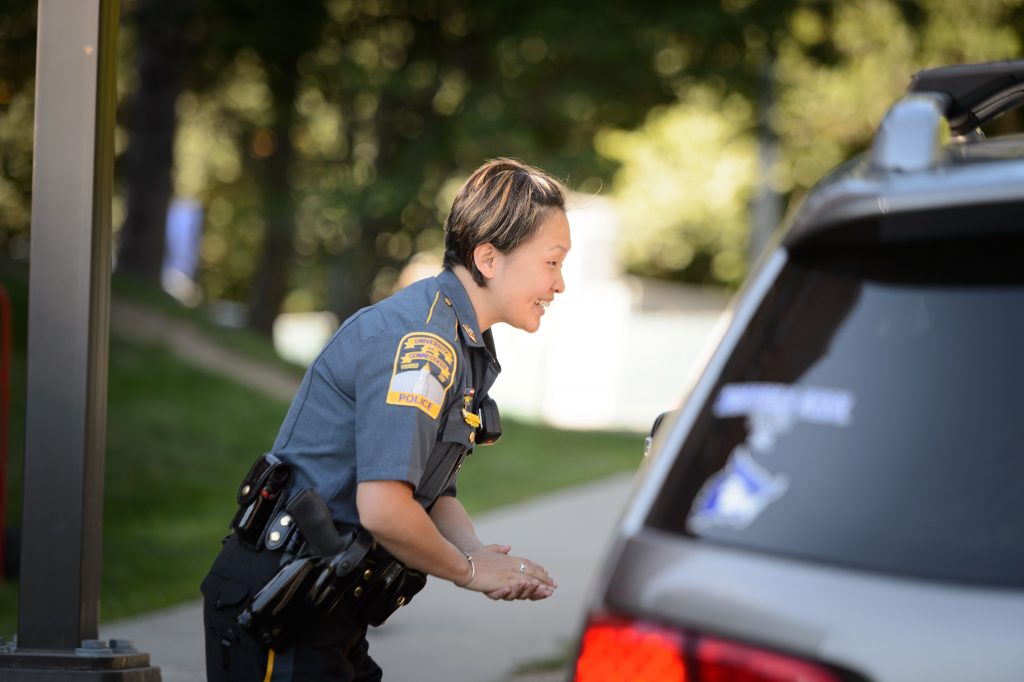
479 296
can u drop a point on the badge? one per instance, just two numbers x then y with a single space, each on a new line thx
424 371
471 419
469 332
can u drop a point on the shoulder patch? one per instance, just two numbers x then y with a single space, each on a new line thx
424 371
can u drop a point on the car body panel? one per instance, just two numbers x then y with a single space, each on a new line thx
883 627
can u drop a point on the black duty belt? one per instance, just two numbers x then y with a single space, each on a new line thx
322 571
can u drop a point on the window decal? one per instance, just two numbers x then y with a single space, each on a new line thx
736 495
773 409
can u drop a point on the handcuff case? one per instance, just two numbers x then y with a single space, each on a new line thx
261 494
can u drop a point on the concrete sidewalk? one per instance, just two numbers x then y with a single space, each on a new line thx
448 634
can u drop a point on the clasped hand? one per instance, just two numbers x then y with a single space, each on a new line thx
502 576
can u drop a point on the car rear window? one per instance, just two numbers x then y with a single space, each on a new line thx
870 416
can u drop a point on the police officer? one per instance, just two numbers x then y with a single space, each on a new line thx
384 417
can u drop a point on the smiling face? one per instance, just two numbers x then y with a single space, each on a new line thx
523 282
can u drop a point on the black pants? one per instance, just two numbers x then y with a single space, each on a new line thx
333 648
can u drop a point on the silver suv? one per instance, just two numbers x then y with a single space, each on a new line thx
841 496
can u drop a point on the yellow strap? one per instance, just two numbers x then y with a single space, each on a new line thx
270 666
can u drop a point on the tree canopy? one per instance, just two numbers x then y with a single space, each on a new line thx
325 139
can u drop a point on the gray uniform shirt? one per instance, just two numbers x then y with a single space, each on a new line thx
388 397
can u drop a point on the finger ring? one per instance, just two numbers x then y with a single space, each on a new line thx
522 567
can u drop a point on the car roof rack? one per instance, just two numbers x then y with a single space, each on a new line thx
912 135
909 186
939 102
976 93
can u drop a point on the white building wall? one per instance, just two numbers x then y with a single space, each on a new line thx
600 360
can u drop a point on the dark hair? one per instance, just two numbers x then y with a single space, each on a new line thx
503 203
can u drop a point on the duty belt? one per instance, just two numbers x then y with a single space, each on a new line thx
322 571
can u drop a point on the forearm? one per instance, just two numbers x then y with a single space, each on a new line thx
389 512
403 528
453 522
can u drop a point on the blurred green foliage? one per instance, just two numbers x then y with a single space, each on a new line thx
384 106
688 174
682 191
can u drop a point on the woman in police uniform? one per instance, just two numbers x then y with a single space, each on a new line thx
384 417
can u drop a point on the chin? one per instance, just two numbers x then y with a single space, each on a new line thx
529 326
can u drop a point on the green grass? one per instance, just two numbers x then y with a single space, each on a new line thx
243 341
179 439
531 459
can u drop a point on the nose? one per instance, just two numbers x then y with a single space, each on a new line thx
559 285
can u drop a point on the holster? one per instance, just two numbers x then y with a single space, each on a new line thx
332 573
262 493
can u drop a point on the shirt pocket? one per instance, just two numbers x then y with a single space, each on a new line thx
457 433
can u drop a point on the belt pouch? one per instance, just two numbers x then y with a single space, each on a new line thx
261 494
379 587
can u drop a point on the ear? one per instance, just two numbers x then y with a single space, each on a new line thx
485 258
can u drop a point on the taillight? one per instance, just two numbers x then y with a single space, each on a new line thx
620 650
617 650
721 661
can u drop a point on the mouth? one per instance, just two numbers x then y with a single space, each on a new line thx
542 303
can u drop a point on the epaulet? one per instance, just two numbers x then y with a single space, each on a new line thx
445 322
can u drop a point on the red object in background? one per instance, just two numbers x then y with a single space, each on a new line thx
616 649
5 392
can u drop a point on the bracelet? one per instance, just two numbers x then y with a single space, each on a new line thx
472 571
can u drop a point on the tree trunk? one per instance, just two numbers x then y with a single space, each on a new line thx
292 29
351 274
270 283
149 158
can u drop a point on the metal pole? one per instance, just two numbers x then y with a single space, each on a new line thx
5 404
68 329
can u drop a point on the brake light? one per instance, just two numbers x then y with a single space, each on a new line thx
620 650
721 661
617 651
